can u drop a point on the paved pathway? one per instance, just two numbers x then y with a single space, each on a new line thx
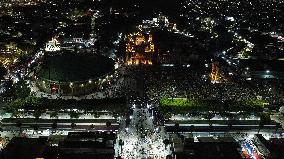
141 138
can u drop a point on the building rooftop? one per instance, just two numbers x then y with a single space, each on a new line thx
24 148
87 145
210 148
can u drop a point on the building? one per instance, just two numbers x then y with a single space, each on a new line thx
64 73
52 45
210 148
77 145
87 145
140 49
215 74
24 148
270 149
68 44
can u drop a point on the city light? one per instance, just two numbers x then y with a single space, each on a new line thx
132 79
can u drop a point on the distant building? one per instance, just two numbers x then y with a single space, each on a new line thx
140 49
159 21
68 44
20 2
215 73
52 46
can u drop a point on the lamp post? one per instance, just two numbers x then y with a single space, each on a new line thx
72 88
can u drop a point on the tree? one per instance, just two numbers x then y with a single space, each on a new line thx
19 125
115 115
35 127
54 114
192 128
21 89
73 125
264 118
96 114
169 157
37 114
230 125
278 126
260 126
176 127
3 72
210 127
182 137
32 102
108 123
13 107
209 116
167 115
74 114
92 126
9 91
166 142
54 126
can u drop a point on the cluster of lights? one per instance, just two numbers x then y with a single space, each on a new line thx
10 54
21 2
53 45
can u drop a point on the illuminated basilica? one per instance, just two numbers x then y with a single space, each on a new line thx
139 49
215 75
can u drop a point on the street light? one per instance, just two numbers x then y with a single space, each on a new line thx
71 85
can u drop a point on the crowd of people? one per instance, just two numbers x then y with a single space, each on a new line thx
141 139
196 84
